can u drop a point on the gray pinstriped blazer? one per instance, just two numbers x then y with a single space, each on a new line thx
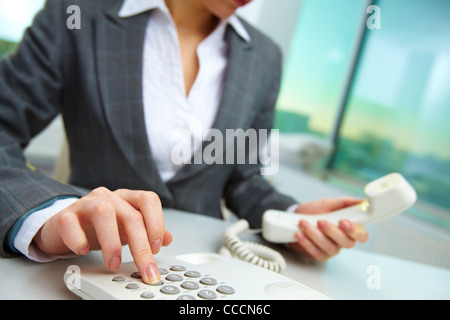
93 77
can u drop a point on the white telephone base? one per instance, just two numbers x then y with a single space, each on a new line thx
385 197
197 276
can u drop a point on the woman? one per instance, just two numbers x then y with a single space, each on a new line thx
135 72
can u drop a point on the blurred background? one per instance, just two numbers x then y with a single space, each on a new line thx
364 93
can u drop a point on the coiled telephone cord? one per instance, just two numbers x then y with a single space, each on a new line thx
251 252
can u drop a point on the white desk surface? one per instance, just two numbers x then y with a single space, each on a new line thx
343 277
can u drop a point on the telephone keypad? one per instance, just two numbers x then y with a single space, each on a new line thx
176 280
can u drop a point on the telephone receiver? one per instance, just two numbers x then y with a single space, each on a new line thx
385 197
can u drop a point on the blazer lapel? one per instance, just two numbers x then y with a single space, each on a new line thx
119 60
237 98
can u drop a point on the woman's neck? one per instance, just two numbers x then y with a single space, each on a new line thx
192 17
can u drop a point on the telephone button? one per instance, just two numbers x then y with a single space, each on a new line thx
147 295
170 290
225 290
132 286
207 294
190 285
174 277
208 281
178 268
118 279
163 271
192 274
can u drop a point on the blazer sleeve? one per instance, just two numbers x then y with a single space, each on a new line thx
30 92
248 193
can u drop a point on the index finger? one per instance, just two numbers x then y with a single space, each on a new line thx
140 248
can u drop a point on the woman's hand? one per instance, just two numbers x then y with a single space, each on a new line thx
108 220
325 240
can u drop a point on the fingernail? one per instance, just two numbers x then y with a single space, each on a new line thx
114 263
359 233
304 224
323 224
156 246
299 236
83 251
153 275
346 225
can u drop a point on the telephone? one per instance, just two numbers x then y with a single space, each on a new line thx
196 276
242 270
